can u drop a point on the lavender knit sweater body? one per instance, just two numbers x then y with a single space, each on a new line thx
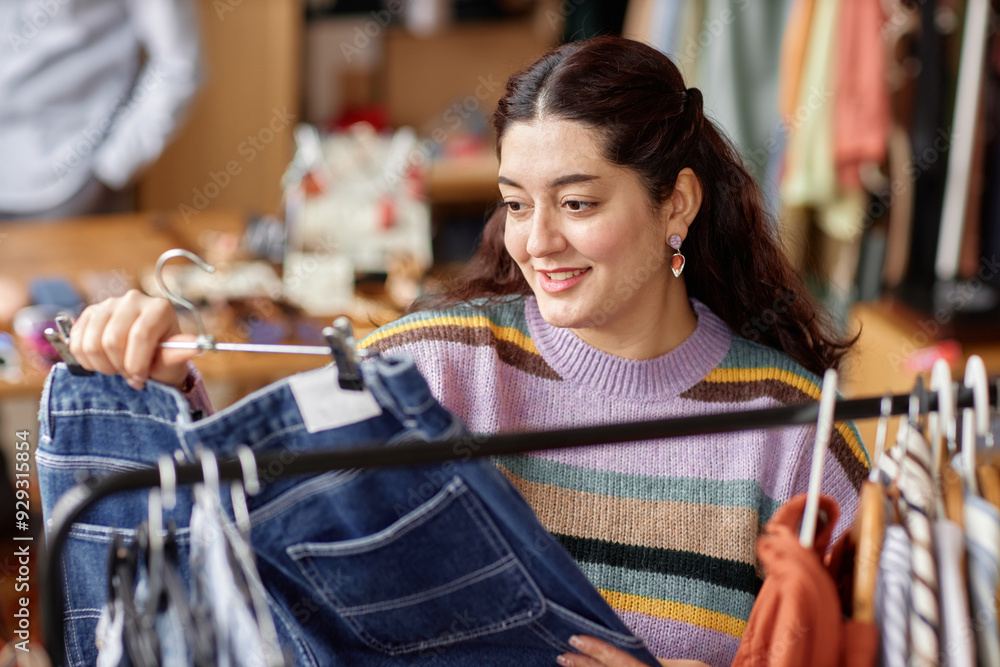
665 530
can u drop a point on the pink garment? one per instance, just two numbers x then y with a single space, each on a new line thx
861 116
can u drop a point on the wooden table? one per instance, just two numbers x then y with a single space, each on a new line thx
130 244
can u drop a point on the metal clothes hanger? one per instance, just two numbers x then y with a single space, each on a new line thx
339 338
239 550
824 429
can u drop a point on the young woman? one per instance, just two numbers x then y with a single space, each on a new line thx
631 273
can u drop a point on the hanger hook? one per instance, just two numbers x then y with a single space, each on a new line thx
942 422
168 481
975 420
205 342
248 463
824 429
238 490
209 470
882 430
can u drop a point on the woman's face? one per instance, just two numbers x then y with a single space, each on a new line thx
581 228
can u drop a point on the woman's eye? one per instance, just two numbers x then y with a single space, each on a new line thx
574 205
513 206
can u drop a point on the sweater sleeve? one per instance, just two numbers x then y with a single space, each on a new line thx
163 93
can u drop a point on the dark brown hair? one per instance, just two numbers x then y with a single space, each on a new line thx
635 98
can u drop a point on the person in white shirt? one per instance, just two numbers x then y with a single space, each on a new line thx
91 91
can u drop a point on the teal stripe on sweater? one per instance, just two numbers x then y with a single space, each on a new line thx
745 353
734 493
509 313
668 587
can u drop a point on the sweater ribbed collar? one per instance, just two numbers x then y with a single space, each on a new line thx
662 377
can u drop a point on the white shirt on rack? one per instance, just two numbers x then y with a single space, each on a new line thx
76 100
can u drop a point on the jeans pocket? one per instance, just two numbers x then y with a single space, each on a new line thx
441 574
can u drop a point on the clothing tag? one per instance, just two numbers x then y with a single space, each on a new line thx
324 405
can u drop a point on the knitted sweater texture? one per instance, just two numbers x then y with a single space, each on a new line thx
665 529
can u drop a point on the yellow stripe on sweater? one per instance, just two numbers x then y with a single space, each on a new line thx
675 611
507 334
805 385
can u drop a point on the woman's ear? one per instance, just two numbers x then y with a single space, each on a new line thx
683 204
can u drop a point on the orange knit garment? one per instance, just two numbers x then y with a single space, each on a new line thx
796 618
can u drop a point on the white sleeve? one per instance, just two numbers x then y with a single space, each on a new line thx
166 85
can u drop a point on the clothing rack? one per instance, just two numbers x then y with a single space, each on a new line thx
374 454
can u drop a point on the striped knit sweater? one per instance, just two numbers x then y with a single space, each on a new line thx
665 530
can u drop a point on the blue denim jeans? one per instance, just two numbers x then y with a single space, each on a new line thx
437 564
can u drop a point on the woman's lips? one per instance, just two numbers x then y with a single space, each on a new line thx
561 279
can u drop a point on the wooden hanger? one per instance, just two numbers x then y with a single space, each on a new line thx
943 424
869 528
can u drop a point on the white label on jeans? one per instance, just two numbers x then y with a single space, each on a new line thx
325 405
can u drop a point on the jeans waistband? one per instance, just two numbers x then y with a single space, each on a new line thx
395 385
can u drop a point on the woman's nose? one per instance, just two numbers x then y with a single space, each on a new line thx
545 236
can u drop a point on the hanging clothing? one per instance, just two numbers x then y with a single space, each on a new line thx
957 634
982 539
364 567
893 597
664 529
737 71
810 176
797 617
861 118
909 464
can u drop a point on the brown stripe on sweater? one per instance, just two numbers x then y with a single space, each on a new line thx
786 394
727 533
735 392
855 470
507 352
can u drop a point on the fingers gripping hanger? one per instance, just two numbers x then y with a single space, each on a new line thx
340 344
824 429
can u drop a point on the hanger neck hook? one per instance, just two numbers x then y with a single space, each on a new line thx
885 412
205 341
975 420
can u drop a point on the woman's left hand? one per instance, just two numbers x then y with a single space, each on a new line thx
596 653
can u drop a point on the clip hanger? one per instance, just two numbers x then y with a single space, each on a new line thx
59 339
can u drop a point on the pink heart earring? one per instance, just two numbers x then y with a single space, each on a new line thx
677 261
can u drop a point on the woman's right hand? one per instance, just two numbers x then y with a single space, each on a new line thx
122 335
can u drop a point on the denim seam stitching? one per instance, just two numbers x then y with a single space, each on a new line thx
87 412
293 428
291 627
75 640
391 533
539 629
599 630
76 461
91 532
491 570
475 510
299 493
517 620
